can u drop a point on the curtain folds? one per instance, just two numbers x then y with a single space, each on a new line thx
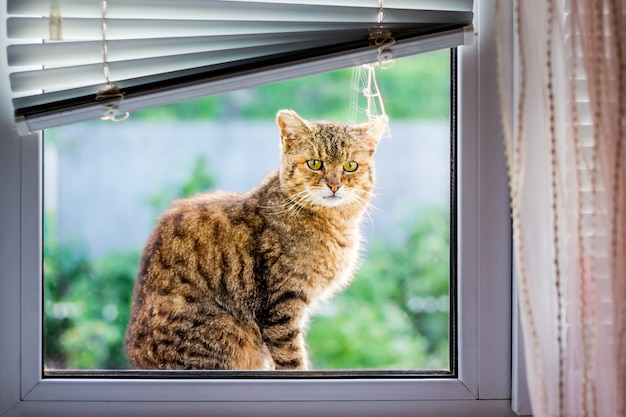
566 151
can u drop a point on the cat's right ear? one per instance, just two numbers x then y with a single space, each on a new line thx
291 126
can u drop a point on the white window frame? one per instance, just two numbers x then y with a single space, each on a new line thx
482 387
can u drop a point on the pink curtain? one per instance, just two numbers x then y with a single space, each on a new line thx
566 147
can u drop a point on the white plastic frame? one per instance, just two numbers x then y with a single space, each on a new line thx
483 386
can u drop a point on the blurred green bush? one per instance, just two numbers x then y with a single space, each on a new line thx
86 305
395 314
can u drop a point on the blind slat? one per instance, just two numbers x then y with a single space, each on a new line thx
452 5
166 45
364 11
58 54
90 29
80 75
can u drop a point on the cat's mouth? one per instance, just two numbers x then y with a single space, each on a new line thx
332 200
324 197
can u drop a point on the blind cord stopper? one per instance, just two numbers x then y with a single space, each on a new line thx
111 91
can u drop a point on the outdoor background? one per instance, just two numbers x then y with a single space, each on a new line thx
105 183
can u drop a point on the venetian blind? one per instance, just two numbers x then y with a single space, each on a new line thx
64 53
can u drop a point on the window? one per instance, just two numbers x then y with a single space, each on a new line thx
107 182
482 385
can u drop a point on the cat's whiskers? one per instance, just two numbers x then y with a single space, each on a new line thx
300 200
284 207
376 192
364 202
367 213
363 197
371 206
293 203
287 207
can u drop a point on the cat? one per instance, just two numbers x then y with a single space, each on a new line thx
228 281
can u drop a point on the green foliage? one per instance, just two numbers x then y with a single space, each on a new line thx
414 88
62 266
419 269
356 334
384 319
85 305
418 88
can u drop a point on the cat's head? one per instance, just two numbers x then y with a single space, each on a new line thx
325 164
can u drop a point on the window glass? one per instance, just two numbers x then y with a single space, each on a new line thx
105 183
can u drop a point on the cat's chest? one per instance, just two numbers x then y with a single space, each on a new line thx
323 238
323 256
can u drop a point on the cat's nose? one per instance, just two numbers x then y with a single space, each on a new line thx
334 186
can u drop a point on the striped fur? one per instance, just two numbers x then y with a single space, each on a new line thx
227 281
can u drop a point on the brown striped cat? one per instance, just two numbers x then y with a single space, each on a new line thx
228 281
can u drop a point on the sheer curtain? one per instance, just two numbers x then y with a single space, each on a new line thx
566 152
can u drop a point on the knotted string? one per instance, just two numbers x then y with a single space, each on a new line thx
383 39
111 90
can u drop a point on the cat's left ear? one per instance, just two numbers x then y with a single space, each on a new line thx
291 126
375 130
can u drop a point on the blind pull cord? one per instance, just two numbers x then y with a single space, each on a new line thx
383 39
111 90
55 22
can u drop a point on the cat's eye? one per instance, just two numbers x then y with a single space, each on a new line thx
351 166
314 164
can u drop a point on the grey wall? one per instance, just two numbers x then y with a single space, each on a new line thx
100 177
